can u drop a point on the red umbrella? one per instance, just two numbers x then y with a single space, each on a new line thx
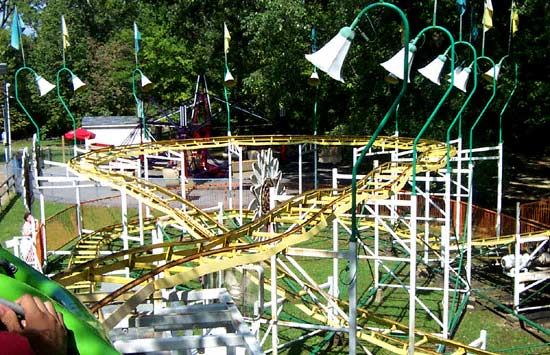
81 134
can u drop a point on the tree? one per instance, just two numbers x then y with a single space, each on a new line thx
183 39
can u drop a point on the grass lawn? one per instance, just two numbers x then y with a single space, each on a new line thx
12 219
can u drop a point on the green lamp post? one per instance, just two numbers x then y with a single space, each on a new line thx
228 80
471 167
44 87
314 82
145 85
330 59
78 85
500 151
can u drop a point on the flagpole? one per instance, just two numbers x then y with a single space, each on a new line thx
226 38
483 42
20 39
511 27
63 41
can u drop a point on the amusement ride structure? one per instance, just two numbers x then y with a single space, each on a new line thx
182 272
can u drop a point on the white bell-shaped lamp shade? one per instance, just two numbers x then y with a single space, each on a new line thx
44 86
432 71
494 71
229 81
395 64
78 85
146 84
313 79
331 57
461 77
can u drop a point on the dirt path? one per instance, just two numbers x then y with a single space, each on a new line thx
528 178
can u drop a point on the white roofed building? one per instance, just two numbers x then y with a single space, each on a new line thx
114 130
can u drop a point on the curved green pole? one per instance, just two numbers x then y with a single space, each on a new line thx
486 105
459 114
448 159
21 104
138 102
354 231
500 140
315 120
470 176
500 151
434 112
65 105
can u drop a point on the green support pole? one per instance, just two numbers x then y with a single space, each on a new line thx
65 105
139 105
501 152
470 176
21 104
500 140
486 105
354 230
459 114
434 112
448 187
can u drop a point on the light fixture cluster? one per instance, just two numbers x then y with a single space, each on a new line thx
44 86
330 59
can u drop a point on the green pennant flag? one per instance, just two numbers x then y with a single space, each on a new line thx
15 30
137 37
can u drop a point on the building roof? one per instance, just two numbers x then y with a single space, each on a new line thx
109 121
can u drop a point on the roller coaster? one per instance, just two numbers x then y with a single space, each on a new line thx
190 279
313 224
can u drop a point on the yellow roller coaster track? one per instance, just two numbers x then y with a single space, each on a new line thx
212 247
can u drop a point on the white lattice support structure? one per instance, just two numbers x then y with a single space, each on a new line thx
213 311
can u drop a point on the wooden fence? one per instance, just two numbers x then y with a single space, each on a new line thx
7 192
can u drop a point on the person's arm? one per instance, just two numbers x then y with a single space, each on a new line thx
43 325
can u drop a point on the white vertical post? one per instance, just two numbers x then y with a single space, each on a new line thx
458 204
183 179
240 150
229 177
124 217
445 253
334 178
274 315
220 215
376 245
499 190
146 176
140 211
335 248
517 260
469 216
412 275
427 216
299 168
7 128
78 208
43 218
352 295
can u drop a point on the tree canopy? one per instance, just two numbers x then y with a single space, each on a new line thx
269 38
